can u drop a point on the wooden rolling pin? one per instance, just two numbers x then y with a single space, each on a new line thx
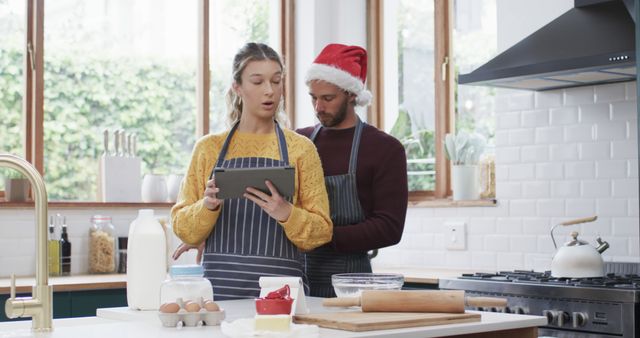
447 301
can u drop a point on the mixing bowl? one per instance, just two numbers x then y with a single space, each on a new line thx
352 284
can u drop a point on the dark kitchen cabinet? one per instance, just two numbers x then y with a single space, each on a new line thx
68 304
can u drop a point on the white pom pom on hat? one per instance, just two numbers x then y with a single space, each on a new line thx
345 67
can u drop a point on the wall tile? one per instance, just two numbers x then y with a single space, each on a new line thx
508 155
634 206
631 90
548 135
579 133
523 208
568 189
507 120
502 138
611 169
625 188
564 152
535 189
548 99
508 226
535 118
482 225
534 154
522 100
564 115
632 165
523 244
611 131
550 207
484 260
549 171
536 225
595 113
610 92
578 95
575 170
624 149
611 207
521 172
510 261
625 226
518 137
580 207
596 188
595 150
624 111
508 190
498 243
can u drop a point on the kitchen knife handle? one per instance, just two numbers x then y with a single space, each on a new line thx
341 301
485 301
106 142
580 220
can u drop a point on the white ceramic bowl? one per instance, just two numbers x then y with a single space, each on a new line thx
352 284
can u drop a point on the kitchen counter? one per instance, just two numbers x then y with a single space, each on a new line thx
423 275
509 325
123 323
68 283
119 281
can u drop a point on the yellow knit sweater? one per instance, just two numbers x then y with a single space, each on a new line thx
309 224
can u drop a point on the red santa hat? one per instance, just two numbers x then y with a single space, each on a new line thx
345 67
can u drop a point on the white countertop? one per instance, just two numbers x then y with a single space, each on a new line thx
124 323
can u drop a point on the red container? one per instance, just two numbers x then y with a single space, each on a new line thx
273 306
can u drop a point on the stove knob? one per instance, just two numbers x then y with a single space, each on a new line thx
563 317
519 310
552 316
506 309
579 319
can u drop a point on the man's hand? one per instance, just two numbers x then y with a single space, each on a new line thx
182 248
275 205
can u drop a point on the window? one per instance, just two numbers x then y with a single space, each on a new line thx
233 23
129 65
409 86
423 52
12 35
123 65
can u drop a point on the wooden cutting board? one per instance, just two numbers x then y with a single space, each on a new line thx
367 321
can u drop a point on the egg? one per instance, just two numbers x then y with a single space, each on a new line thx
211 306
192 306
169 308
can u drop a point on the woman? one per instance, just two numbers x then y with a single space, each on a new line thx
260 234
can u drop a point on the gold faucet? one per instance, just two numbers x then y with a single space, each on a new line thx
39 305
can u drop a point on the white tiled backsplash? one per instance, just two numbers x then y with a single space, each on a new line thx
17 236
560 155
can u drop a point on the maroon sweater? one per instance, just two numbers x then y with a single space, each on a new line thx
381 177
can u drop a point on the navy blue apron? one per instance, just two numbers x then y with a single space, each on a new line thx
345 209
246 242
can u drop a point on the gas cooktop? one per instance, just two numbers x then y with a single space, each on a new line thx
531 277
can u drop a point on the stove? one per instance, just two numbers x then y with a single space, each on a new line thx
574 307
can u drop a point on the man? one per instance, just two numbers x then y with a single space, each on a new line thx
365 169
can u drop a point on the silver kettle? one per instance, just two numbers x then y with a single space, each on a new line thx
578 259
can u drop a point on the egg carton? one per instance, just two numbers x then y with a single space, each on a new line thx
184 318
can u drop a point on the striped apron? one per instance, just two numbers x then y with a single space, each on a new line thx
345 209
246 242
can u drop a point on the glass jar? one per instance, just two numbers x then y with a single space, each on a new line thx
102 245
186 283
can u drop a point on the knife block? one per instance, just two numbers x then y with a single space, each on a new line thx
119 179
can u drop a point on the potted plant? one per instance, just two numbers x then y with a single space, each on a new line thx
464 150
16 186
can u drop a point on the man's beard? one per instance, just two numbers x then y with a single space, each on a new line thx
338 118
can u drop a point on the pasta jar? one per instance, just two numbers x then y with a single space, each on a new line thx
102 245
186 283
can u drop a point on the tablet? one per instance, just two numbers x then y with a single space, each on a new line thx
233 182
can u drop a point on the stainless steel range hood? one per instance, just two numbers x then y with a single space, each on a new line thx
592 43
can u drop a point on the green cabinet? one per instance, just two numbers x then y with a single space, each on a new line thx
84 303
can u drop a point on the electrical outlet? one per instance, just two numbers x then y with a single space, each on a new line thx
455 237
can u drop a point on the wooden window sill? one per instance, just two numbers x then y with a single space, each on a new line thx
81 205
449 203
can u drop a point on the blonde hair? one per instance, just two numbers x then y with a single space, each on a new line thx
251 51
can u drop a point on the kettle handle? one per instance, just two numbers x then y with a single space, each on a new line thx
571 222
580 220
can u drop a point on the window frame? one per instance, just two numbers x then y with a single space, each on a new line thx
33 100
444 87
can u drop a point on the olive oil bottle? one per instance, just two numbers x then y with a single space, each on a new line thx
54 250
